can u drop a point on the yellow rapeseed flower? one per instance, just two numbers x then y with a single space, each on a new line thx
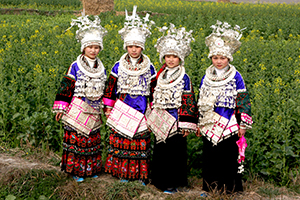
278 81
21 69
278 119
38 68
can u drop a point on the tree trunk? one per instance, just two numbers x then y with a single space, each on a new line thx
95 7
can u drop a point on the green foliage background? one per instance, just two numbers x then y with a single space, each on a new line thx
35 52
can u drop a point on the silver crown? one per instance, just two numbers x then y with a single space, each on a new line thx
89 32
224 40
176 42
135 31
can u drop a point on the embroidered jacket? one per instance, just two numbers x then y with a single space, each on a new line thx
224 105
82 81
178 98
131 85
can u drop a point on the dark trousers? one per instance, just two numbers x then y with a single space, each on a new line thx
220 166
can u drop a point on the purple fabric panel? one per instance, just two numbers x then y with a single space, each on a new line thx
239 81
137 102
115 68
74 69
224 112
153 71
187 82
173 112
201 82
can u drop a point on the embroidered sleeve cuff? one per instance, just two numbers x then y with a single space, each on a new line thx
59 106
187 125
246 121
109 102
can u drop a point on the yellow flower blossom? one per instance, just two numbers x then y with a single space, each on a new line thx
278 119
21 69
38 68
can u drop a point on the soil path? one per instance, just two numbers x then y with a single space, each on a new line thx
17 161
20 163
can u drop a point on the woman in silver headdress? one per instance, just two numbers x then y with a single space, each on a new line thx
224 112
174 113
78 103
129 88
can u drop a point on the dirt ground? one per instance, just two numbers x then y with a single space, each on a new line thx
22 161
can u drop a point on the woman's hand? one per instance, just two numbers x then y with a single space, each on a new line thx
242 131
107 112
185 133
198 134
58 116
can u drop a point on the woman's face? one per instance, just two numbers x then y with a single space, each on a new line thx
172 61
92 51
219 61
134 51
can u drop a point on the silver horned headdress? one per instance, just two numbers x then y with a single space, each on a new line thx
89 32
176 42
135 31
224 40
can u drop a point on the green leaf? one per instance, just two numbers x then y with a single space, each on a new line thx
10 197
15 116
